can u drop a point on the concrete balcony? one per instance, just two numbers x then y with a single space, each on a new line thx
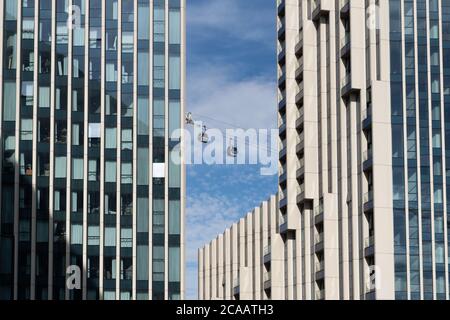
369 246
267 280
300 168
320 294
300 140
367 117
347 87
283 200
283 174
299 69
282 57
281 6
368 201
319 266
300 118
345 8
300 193
367 160
282 103
318 213
300 93
345 45
283 149
283 223
317 9
282 125
236 286
282 30
282 79
299 44
267 254
318 242
319 269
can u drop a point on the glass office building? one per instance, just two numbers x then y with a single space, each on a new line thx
91 91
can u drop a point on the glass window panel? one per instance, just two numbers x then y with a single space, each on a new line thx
110 237
126 237
142 214
174 116
174 217
93 235
174 27
44 97
110 171
143 67
143 165
127 174
142 262
60 167
143 21
143 116
111 138
77 169
174 264
9 101
76 234
174 72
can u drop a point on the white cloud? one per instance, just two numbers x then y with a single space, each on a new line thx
217 95
207 216
233 18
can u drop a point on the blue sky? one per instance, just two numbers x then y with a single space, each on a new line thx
231 79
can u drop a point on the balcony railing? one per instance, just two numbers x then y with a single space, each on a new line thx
318 238
281 120
281 23
267 250
367 154
346 79
300 138
283 219
300 113
299 37
315 4
318 210
283 144
367 112
300 89
300 189
343 3
369 241
345 40
299 63
282 195
319 266
368 196
282 95
300 163
282 170
267 276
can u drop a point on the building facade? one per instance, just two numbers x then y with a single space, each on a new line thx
364 94
246 261
91 91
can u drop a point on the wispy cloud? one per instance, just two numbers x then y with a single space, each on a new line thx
217 95
212 207
208 215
